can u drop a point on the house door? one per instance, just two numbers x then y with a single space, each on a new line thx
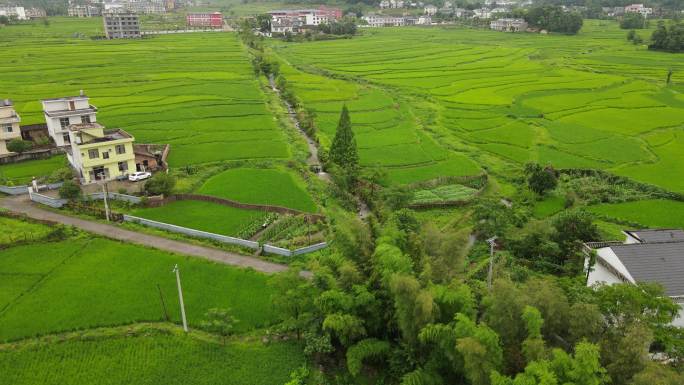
99 173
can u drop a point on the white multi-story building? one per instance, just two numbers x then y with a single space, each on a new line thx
9 125
482 13
13 12
86 10
60 113
508 25
424 20
316 18
430 10
384 21
639 8
136 6
35 13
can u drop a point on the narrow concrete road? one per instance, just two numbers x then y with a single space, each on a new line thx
21 204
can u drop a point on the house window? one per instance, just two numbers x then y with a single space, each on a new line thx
120 149
64 122
7 128
85 119
93 154
66 138
105 155
123 167
72 105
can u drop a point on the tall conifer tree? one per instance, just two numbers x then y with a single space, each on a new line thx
343 151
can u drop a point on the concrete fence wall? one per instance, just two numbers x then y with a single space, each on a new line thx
192 232
21 190
270 249
31 155
46 200
14 190
310 249
116 196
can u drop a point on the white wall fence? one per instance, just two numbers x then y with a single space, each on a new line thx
14 190
21 190
192 232
46 200
269 249
116 196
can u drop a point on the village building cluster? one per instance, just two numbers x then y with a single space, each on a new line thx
21 13
93 8
95 152
298 20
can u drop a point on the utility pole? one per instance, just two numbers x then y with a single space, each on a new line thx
492 243
105 193
180 298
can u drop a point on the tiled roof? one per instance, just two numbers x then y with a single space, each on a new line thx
662 263
657 235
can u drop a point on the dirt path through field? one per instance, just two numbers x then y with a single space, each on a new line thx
22 205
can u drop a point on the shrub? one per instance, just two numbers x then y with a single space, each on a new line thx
61 174
633 20
541 179
70 191
19 145
160 184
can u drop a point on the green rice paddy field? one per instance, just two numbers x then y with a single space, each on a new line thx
260 186
61 304
140 360
78 284
22 173
205 216
196 92
447 101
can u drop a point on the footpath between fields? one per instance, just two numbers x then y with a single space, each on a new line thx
22 205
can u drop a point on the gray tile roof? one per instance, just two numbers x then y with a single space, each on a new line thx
657 235
662 263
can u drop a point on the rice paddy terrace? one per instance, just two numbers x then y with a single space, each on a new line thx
193 91
446 101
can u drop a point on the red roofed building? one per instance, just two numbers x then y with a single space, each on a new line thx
208 19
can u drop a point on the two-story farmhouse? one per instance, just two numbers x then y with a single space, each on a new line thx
9 125
645 256
60 113
508 25
100 154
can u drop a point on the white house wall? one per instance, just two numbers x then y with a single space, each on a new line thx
679 321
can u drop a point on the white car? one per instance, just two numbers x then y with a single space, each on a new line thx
141 175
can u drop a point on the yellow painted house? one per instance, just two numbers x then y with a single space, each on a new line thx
100 154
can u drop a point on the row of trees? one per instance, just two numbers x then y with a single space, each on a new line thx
554 19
